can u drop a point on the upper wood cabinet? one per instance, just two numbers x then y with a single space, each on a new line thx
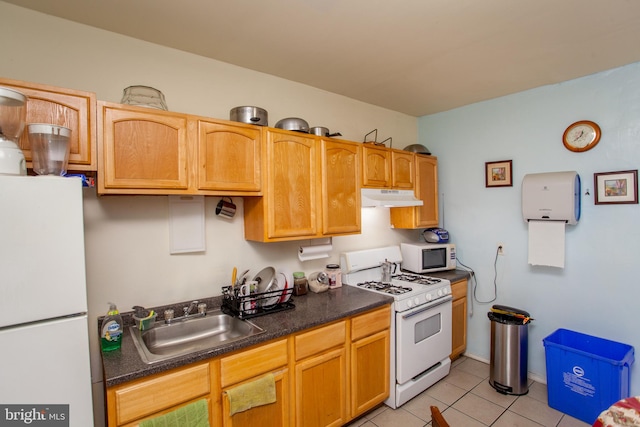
70 108
424 216
147 151
340 171
311 189
387 168
289 208
376 166
142 149
403 172
228 157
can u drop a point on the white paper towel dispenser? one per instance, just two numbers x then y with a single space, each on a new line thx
552 196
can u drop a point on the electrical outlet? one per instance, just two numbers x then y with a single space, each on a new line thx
501 249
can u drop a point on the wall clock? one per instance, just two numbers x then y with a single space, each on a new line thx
581 136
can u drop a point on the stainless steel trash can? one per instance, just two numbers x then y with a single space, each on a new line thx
509 349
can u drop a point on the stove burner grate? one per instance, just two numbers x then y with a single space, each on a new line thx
387 288
422 280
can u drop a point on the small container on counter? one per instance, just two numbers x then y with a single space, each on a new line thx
335 275
300 283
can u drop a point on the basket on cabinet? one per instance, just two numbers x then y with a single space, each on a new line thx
256 304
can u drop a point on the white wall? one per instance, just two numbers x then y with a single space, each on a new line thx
597 292
127 243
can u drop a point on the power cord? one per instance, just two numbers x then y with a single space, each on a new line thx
475 281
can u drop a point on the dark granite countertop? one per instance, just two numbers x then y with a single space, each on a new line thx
310 310
452 275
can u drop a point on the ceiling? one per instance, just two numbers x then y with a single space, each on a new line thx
413 56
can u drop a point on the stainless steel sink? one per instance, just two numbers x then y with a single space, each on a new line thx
164 341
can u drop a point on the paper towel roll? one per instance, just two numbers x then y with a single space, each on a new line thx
546 243
307 253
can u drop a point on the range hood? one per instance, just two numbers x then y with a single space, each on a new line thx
389 198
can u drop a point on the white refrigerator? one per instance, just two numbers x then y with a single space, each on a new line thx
44 341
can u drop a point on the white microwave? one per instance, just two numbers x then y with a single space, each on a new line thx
428 257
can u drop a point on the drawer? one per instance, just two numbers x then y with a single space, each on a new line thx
254 362
459 289
318 340
370 323
151 395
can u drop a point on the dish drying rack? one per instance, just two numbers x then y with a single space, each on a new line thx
257 304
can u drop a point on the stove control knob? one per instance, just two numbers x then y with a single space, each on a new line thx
409 303
428 296
439 292
417 301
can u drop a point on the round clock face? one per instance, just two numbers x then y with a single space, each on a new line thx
581 136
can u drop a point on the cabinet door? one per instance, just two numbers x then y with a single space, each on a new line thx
143 149
228 157
369 372
426 190
157 394
340 187
403 170
320 384
459 318
291 185
274 414
73 109
376 166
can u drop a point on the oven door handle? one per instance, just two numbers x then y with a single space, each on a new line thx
428 307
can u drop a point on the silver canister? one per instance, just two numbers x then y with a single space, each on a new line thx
250 115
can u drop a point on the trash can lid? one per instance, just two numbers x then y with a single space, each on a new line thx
510 311
509 315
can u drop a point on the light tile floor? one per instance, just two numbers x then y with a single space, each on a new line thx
467 400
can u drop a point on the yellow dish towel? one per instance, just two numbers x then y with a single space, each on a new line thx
195 414
256 393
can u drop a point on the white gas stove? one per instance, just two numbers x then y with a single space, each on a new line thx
364 269
420 321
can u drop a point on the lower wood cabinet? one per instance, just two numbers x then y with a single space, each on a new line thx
275 414
459 319
369 352
250 365
321 376
325 376
321 389
130 403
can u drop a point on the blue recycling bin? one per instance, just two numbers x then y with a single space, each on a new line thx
586 374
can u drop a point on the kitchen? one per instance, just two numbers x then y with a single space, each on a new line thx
126 237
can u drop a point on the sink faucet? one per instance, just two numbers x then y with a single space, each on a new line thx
202 311
187 310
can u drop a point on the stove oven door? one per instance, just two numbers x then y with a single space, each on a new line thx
423 338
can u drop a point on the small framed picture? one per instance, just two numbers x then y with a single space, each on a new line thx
616 187
498 174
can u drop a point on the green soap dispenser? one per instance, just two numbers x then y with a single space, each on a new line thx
111 331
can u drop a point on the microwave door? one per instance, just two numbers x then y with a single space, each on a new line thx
434 258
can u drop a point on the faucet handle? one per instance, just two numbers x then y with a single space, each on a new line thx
202 308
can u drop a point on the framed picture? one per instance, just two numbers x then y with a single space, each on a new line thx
498 174
616 187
